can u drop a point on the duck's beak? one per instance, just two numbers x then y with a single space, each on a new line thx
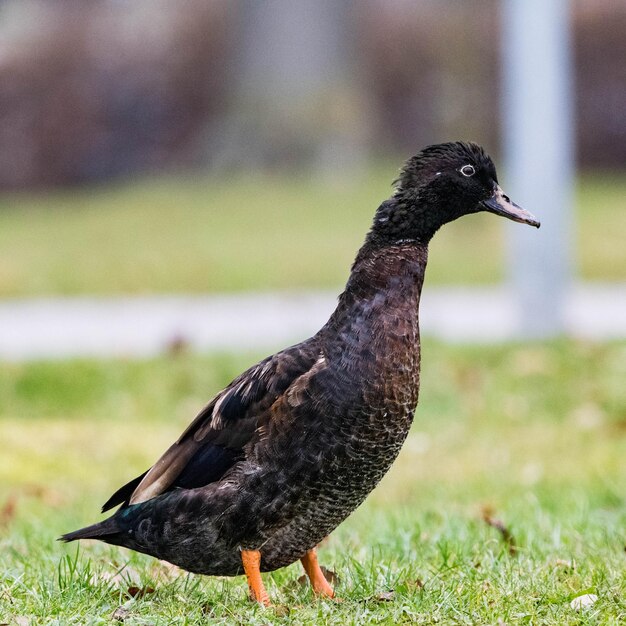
500 204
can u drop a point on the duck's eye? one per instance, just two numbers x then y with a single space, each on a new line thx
468 170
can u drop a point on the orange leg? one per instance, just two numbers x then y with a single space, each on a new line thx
318 580
251 560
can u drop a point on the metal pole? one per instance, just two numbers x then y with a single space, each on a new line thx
538 142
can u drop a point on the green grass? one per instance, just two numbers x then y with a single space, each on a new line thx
535 432
253 233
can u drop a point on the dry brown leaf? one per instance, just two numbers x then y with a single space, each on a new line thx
329 575
8 511
487 514
139 592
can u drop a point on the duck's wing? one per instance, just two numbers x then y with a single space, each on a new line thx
215 439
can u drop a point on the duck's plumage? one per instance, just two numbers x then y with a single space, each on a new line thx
275 461
216 438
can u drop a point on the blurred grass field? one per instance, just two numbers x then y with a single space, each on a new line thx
536 433
198 235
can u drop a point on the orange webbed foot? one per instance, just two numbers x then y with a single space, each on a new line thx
320 585
251 560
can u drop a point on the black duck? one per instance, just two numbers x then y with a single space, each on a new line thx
291 447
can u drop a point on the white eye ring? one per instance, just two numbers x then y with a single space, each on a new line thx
468 170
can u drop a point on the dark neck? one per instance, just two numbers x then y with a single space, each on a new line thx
386 277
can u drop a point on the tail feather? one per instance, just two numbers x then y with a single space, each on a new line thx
123 494
96 531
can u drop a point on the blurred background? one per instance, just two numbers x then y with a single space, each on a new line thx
148 148
208 147
102 90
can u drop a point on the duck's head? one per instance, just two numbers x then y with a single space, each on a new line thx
440 184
